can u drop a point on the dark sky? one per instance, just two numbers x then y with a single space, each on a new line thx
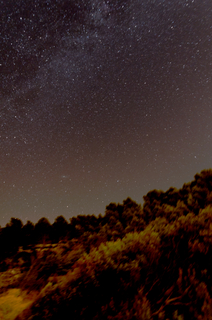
101 100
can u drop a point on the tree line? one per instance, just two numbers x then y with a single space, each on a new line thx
118 219
152 262
109 226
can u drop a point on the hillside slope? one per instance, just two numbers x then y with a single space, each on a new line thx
153 262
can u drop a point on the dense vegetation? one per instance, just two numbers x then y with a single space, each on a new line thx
150 262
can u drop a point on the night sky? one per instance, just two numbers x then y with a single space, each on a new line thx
101 100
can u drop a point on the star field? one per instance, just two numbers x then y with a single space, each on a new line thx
101 100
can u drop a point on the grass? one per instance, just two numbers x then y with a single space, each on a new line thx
13 302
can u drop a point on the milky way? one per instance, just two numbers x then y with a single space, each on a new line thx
101 100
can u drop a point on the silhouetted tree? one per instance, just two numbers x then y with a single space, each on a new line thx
11 237
28 234
60 228
43 231
15 224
